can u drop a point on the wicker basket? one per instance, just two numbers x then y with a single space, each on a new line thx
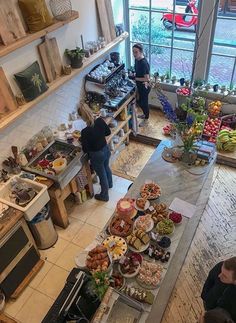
61 9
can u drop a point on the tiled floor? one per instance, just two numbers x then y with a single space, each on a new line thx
86 221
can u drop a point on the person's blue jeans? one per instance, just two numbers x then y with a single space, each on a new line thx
100 163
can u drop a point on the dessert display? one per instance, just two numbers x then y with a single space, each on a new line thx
125 207
165 227
139 294
142 204
129 265
158 211
116 246
157 253
149 274
121 226
138 240
164 243
175 217
150 191
117 280
144 222
98 259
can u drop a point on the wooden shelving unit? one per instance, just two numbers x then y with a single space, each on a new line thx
29 38
120 126
11 117
123 139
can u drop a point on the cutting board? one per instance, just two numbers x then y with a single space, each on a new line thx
7 99
51 58
103 17
110 19
11 27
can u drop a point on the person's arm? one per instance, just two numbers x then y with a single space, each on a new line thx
104 126
84 141
212 288
146 78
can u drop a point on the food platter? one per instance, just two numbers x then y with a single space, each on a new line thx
165 233
139 225
142 248
149 276
116 246
150 191
147 205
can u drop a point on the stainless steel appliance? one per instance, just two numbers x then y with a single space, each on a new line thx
18 254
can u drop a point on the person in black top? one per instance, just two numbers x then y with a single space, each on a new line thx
219 290
142 76
217 315
93 140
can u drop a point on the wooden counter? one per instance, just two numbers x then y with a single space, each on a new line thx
9 220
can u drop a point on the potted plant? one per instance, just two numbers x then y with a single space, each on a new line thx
187 83
173 79
76 57
223 89
162 77
168 77
208 86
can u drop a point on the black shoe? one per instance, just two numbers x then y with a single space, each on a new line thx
99 197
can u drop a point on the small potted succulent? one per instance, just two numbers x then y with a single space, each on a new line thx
222 88
187 83
208 86
173 79
162 77
76 56
167 77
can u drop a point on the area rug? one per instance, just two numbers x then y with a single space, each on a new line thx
131 160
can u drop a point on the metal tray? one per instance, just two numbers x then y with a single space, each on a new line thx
75 162
117 69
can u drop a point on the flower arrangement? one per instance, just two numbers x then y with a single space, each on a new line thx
190 127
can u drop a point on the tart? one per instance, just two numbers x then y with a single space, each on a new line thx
141 203
116 246
121 226
144 222
150 191
165 227
175 217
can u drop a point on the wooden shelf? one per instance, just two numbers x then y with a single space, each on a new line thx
121 141
115 131
11 117
4 50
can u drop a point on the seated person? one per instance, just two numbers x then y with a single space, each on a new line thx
219 289
218 315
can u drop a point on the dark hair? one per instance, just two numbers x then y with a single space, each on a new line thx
217 315
230 264
139 46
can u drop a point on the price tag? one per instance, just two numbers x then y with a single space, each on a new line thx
112 244
122 223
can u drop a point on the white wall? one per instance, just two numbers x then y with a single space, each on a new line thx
54 109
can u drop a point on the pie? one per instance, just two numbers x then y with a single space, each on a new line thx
121 226
150 191
116 246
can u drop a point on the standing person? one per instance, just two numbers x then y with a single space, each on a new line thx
93 140
142 77
219 290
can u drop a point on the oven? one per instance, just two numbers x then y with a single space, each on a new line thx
18 254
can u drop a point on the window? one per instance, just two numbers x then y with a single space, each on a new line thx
168 47
223 58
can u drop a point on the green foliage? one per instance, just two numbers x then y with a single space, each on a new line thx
100 283
140 32
77 52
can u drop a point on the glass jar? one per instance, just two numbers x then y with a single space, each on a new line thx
48 133
42 139
31 148
102 41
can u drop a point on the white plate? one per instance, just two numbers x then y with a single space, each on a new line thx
142 249
148 229
129 275
147 205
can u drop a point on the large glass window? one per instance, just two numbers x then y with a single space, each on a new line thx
167 29
223 58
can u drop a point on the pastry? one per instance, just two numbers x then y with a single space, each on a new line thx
150 274
117 281
138 239
144 223
141 202
116 246
130 264
158 211
98 259
139 294
150 191
121 226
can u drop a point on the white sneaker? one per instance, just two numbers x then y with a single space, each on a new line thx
143 123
